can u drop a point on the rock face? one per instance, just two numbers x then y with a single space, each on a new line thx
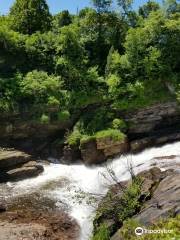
157 124
71 154
97 151
164 202
159 198
16 165
90 154
152 119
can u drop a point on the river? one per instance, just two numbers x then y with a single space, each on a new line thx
79 188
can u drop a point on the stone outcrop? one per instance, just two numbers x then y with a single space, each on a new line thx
9 159
16 165
164 202
90 154
153 119
98 150
159 198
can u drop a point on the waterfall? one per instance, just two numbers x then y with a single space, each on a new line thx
79 180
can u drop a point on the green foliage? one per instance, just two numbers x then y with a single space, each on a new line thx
63 116
90 64
102 5
147 8
73 139
45 119
129 202
30 16
62 19
86 138
41 88
114 134
119 124
120 206
102 233
127 231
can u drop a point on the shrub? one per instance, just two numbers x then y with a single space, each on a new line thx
45 119
119 124
114 134
129 203
63 116
74 138
102 233
127 231
53 102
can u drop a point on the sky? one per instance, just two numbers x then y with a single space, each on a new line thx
59 5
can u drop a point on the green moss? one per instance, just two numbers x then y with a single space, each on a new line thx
86 138
114 134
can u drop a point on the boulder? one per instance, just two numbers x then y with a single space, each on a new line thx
11 158
111 147
96 151
29 170
90 154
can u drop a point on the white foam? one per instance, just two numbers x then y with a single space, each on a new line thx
90 180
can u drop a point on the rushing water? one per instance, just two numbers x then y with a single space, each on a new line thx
73 185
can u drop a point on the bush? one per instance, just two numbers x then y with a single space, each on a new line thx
129 202
53 102
119 124
63 116
45 119
102 233
114 134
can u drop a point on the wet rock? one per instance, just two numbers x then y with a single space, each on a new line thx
16 165
71 154
10 159
33 170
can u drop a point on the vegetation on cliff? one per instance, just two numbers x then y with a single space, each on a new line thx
90 65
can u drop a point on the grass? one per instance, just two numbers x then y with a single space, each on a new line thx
102 233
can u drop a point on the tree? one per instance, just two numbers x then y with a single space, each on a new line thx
30 16
62 19
102 5
125 5
147 8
